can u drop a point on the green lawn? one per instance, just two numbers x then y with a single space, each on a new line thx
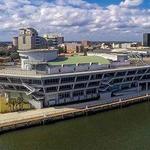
78 60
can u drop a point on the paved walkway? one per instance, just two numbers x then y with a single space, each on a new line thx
12 119
17 116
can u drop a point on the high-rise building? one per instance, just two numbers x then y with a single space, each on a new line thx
146 39
15 42
29 39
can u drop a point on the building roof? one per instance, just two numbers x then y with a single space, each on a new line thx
17 72
78 60
36 50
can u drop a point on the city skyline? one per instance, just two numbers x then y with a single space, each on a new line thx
116 20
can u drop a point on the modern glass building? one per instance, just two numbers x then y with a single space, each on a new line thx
146 39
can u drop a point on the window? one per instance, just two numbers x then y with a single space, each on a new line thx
20 88
51 81
24 40
78 93
129 79
67 80
117 80
134 85
65 87
90 91
125 86
82 78
108 75
3 79
137 77
148 71
36 82
80 85
10 87
28 81
91 84
141 71
131 72
148 85
51 89
96 76
15 80
120 73
143 86
146 77
63 95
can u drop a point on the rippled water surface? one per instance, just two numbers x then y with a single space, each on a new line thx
120 129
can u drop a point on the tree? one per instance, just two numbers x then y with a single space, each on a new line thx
12 103
2 53
14 55
61 50
85 51
20 102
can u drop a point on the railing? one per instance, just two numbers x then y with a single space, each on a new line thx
17 71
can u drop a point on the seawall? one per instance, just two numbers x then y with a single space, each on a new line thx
20 120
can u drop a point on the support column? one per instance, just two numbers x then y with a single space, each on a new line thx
138 89
146 86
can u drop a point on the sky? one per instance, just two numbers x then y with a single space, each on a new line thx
97 20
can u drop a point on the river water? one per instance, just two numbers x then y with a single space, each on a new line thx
120 129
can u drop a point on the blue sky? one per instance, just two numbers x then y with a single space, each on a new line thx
120 20
145 4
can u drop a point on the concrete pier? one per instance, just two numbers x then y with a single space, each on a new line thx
18 120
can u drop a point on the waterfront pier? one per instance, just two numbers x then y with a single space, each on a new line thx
18 120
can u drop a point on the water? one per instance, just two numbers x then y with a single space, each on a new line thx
120 129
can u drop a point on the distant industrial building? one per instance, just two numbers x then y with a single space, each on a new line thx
54 39
77 47
126 45
116 45
146 39
86 43
73 47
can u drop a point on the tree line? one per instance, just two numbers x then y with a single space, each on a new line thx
9 53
